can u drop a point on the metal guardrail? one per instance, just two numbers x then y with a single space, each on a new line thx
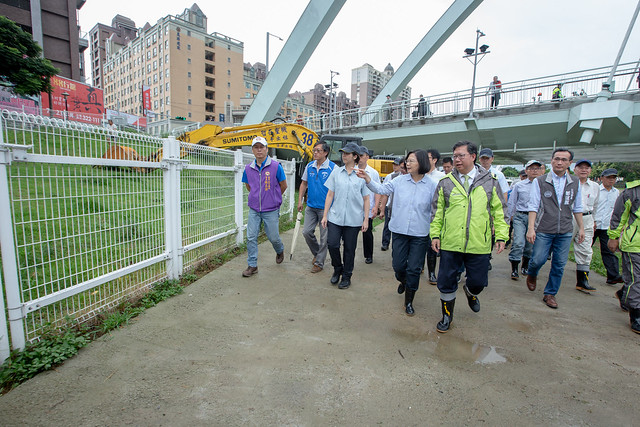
581 84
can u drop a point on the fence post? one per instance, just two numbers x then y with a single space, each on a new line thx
173 223
9 261
238 195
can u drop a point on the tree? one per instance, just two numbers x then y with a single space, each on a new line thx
510 171
21 63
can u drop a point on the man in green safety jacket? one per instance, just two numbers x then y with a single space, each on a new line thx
624 235
467 205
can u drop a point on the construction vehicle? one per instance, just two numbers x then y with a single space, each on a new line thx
291 137
281 136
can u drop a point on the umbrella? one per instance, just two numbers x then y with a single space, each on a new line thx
295 234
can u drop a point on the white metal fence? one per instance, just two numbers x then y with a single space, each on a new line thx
89 218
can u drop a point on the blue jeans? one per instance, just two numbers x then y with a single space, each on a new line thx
408 257
271 222
520 246
559 245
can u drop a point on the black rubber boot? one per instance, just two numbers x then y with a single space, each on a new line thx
582 282
401 288
408 301
525 265
335 278
514 270
474 302
431 267
634 319
447 316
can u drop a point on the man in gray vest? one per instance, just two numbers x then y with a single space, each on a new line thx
554 199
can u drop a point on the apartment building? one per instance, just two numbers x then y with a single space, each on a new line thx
179 68
120 33
367 83
54 25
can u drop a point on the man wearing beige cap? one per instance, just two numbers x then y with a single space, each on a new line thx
265 180
582 250
517 211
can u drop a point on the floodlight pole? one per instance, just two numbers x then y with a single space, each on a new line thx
475 65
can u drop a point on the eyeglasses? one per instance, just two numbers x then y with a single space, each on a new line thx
560 159
459 156
318 150
411 161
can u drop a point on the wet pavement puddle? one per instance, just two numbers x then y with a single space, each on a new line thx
451 348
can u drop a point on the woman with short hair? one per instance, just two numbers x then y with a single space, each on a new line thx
411 207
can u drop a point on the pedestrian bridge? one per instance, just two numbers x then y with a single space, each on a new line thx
527 124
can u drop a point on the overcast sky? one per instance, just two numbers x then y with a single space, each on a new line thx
527 38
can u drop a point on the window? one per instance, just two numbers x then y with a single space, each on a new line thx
155 51
228 96
247 85
189 115
166 101
166 74
188 60
228 84
148 68
189 33
155 65
166 86
155 105
189 74
189 101
228 72
229 60
149 55
189 88
155 78
155 91
188 47
149 81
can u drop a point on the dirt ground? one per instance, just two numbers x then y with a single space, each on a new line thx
285 347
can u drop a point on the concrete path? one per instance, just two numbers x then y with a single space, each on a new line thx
286 348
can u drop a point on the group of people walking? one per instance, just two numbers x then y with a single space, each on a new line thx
460 216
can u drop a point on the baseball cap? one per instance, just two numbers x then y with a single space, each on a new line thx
351 147
609 172
398 160
583 161
486 152
532 162
259 140
523 172
364 150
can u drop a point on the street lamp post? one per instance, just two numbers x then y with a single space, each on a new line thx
267 64
332 99
470 52
66 105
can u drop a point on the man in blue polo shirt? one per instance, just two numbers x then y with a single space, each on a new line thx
315 175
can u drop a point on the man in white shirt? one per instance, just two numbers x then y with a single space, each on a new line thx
435 175
602 218
367 236
486 160
386 200
582 250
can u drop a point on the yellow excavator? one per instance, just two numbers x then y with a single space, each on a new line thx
281 136
291 137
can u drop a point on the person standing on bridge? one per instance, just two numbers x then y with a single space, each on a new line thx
467 201
412 195
313 179
388 114
346 210
553 199
557 92
583 251
602 217
265 197
517 208
367 235
623 230
495 89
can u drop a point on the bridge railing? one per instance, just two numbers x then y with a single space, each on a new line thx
582 84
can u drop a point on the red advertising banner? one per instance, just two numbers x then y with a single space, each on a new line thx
146 96
83 103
